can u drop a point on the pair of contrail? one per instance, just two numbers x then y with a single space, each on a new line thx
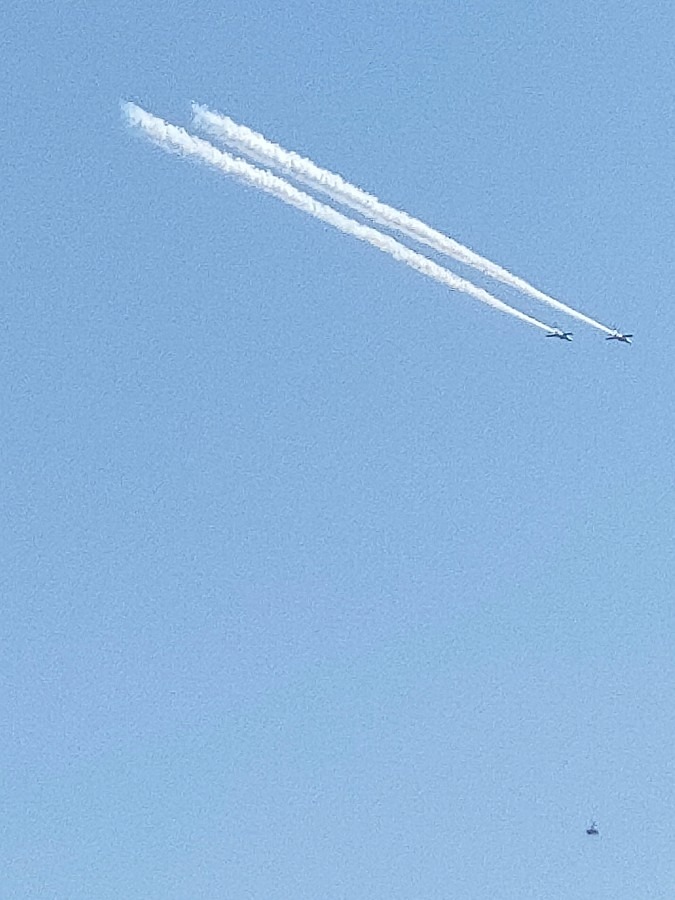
256 147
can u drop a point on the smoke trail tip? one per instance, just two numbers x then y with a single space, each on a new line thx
131 112
200 112
126 106
203 117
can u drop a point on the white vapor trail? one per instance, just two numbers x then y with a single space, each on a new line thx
258 148
172 138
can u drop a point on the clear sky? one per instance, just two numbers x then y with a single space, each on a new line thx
319 580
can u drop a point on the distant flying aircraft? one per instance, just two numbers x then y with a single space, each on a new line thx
617 336
563 335
593 829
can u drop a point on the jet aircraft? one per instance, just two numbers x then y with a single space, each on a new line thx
617 336
593 829
563 335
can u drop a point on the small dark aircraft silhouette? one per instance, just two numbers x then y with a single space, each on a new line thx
593 829
563 335
617 336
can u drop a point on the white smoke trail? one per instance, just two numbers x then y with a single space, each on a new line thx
175 139
257 147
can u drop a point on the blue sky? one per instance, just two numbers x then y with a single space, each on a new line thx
319 580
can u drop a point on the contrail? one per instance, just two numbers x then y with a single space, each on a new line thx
172 138
258 148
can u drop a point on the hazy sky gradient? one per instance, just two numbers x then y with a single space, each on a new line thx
318 579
